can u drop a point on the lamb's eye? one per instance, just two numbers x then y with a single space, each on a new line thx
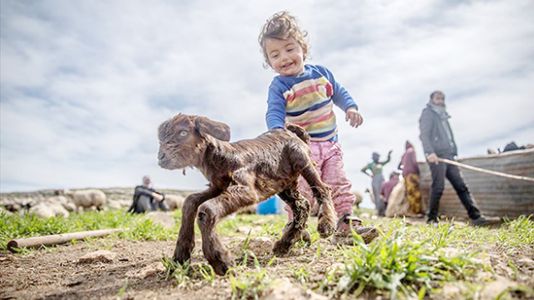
183 133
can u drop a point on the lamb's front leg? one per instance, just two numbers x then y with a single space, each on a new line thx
296 228
327 217
210 213
186 237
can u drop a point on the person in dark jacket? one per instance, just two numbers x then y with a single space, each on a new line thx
438 142
146 198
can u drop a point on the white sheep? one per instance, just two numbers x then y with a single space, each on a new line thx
5 211
48 210
359 198
86 199
174 201
63 201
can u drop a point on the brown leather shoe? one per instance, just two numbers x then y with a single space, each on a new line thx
343 233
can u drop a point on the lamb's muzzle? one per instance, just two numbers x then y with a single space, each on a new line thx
240 174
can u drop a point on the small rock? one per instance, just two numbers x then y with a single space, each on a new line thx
98 256
243 229
162 218
525 262
450 252
260 246
246 229
491 289
74 282
452 290
283 289
147 271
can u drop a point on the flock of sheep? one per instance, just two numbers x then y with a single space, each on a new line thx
62 203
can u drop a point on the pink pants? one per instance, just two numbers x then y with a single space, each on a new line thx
329 159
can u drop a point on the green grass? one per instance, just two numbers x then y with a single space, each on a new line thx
138 227
250 284
413 261
180 273
406 261
399 265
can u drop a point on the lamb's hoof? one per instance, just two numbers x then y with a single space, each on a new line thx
325 229
326 225
220 267
305 236
221 262
181 255
281 248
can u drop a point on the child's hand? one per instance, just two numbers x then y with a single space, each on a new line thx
353 116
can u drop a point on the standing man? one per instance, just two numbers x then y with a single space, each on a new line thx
438 142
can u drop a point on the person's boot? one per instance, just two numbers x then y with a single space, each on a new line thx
432 221
346 224
483 221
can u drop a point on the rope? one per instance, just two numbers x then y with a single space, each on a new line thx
452 162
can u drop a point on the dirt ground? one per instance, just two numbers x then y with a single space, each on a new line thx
137 272
55 273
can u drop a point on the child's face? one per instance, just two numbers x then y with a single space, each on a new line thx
285 56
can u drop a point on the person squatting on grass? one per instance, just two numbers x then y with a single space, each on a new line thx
305 95
146 199
438 142
387 187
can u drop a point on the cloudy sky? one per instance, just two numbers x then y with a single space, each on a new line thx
84 84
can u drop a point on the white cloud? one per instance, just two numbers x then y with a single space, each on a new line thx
84 84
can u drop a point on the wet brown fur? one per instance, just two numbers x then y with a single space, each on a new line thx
240 174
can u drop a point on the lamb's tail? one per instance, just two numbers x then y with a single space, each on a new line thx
299 131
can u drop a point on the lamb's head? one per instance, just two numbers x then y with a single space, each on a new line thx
182 140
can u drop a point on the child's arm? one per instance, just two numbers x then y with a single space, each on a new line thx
276 108
344 101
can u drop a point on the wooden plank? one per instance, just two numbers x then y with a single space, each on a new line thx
56 239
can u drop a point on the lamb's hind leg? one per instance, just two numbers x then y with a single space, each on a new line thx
327 217
295 228
210 213
186 237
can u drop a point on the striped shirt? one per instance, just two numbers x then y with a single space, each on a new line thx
307 100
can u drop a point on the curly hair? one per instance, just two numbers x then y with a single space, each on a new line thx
282 26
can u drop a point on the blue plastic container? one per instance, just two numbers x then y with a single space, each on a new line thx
270 206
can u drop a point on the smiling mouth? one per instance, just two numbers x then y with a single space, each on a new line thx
287 65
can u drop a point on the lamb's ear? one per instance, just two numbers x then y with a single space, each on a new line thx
163 130
216 129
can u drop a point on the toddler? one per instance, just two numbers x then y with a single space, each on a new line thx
305 95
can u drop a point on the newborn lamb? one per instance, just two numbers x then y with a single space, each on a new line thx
240 174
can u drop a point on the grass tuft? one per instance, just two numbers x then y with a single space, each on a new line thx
399 265
249 285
